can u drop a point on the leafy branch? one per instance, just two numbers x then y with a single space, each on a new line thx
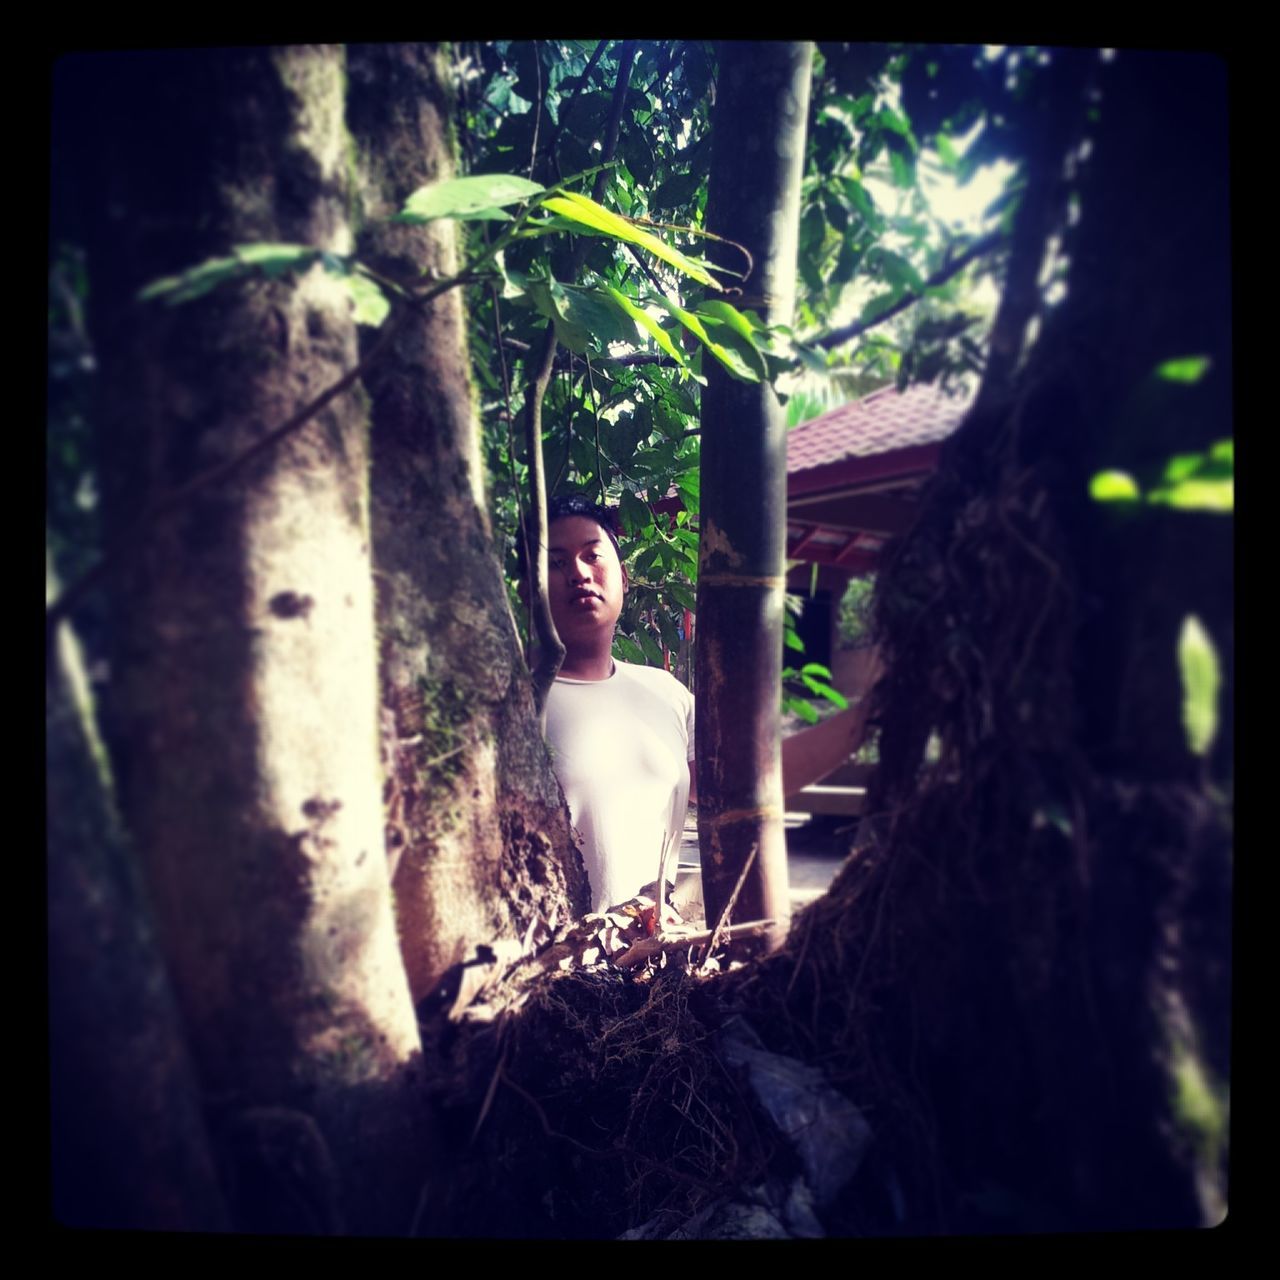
978 249
551 649
468 198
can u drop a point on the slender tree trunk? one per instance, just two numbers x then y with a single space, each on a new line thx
757 160
477 831
243 665
129 1147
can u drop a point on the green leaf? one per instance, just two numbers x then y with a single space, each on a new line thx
550 298
678 190
194 282
466 197
644 562
738 332
862 200
682 595
899 272
902 174
813 230
276 259
650 646
813 358
1197 494
879 304
891 119
269 258
1114 486
824 690
635 515
595 312
805 710
792 640
1185 369
627 649
1201 680
646 321
485 215
727 356
667 628
1182 465
371 305
638 156
580 209
689 484
949 155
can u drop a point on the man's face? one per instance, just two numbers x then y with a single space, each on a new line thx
586 582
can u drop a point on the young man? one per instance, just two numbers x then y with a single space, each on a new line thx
621 735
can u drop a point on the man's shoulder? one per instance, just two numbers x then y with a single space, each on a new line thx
661 682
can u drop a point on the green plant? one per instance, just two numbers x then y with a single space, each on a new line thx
854 620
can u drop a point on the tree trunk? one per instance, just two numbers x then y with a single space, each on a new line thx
753 198
243 664
1027 966
477 831
129 1147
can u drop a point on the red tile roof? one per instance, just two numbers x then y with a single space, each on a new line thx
882 422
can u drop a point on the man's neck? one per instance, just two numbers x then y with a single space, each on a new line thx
588 664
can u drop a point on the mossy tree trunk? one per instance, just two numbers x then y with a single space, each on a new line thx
243 682
477 830
753 198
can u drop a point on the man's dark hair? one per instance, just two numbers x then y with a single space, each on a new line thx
570 504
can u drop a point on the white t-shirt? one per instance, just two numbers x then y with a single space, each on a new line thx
621 748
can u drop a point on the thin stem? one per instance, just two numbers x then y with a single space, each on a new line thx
550 647
567 371
511 439
537 119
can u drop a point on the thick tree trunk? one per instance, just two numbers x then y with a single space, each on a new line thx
753 198
129 1147
243 671
477 831
1026 970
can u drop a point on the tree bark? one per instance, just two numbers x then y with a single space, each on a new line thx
243 663
477 830
129 1147
753 198
1032 948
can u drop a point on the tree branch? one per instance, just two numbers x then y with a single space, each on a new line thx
979 248
626 362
